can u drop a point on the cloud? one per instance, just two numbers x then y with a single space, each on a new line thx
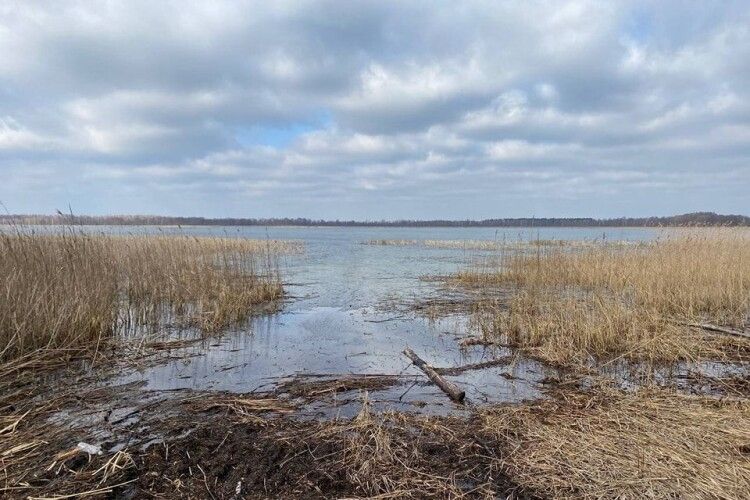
375 109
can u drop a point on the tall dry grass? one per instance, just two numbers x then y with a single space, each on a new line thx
610 444
629 301
500 245
71 291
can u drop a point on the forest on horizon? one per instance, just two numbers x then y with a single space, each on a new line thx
695 219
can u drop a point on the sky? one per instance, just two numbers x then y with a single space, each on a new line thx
375 110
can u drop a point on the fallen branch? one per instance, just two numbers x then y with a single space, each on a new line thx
449 388
456 370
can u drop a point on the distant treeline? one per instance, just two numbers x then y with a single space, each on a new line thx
692 219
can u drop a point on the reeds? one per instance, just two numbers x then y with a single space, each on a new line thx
601 302
590 327
71 291
490 245
611 444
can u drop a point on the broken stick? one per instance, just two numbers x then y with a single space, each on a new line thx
449 388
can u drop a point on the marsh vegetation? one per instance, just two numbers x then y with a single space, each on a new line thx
70 292
575 308
636 302
515 245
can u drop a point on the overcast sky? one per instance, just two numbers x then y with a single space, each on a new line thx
374 110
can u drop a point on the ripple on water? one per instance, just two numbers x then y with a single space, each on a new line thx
330 341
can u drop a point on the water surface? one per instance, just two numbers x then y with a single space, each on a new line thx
333 322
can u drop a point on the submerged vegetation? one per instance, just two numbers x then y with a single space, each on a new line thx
72 291
633 301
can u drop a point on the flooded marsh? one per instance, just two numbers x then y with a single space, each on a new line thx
284 346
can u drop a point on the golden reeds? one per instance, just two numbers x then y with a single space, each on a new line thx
704 275
491 244
573 306
611 444
71 290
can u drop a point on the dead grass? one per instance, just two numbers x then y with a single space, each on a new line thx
494 244
247 408
386 456
381 461
603 443
609 444
39 468
306 387
630 301
72 291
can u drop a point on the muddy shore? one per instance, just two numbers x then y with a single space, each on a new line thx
310 437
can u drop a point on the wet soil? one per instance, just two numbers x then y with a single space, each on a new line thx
390 456
317 436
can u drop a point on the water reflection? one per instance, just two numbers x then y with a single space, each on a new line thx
332 325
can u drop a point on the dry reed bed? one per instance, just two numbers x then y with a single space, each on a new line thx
495 244
604 302
603 444
73 291
609 444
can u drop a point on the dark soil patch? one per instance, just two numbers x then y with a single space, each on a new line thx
390 456
245 461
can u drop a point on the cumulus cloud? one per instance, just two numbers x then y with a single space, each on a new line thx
375 109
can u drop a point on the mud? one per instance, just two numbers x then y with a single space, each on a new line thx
390 455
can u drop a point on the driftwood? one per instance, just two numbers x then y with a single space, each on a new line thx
449 388
719 329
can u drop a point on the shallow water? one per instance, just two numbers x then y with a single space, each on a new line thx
332 325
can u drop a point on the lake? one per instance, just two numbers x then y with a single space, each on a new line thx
338 318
